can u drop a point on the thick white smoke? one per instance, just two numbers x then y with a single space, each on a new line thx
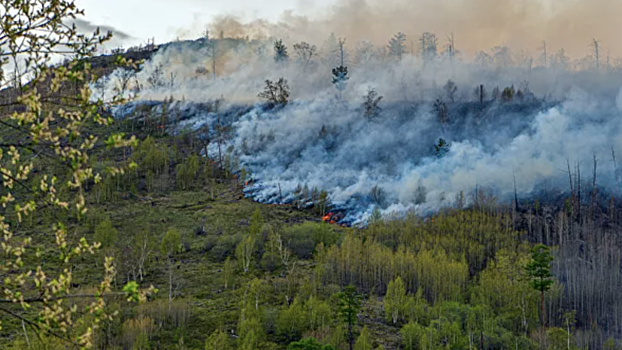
324 141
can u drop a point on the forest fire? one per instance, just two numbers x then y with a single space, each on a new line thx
332 218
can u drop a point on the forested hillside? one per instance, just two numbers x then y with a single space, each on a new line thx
224 193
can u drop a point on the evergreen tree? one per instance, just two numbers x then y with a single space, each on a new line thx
450 89
428 46
372 110
441 148
349 305
397 46
280 51
539 272
340 78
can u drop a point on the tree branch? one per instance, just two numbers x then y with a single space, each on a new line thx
39 328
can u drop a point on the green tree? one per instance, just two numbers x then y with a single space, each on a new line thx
539 272
106 234
610 344
349 306
411 335
256 223
292 322
142 342
218 340
557 339
363 342
395 300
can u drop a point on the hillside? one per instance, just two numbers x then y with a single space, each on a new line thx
227 193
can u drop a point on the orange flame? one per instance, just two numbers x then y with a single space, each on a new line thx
327 217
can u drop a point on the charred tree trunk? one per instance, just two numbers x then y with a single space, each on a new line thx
593 199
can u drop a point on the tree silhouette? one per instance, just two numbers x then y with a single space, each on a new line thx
280 51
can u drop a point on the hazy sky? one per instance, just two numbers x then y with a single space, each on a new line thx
166 20
478 24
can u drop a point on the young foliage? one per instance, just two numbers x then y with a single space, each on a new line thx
54 138
395 300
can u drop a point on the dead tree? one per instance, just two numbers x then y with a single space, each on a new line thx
579 192
545 56
615 170
596 46
452 52
480 94
572 196
593 201
212 53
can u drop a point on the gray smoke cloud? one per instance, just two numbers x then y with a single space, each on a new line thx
570 113
119 38
476 24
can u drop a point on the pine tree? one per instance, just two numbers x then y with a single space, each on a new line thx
349 305
539 272
280 51
441 148
340 78
397 47
371 104
428 46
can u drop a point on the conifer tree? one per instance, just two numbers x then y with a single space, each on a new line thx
397 46
349 305
539 272
280 52
340 78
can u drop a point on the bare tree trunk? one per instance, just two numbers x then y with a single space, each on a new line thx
170 284
579 193
593 201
